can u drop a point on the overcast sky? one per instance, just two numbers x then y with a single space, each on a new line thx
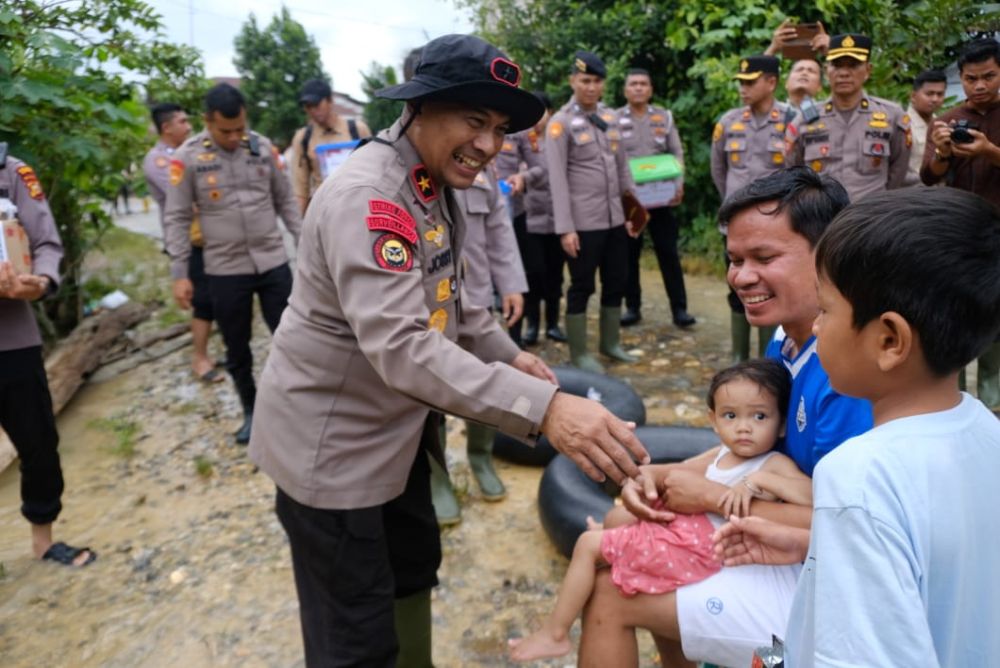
350 34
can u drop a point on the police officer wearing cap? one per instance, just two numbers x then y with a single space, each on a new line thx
378 332
748 143
648 130
588 174
236 181
861 140
325 126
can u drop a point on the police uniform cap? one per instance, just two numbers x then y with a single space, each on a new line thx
752 67
467 70
586 62
315 91
851 46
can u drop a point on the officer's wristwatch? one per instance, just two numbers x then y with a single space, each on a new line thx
940 157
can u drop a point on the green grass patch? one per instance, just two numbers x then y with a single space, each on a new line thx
203 466
124 432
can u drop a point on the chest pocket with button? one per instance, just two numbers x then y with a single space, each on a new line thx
585 142
736 152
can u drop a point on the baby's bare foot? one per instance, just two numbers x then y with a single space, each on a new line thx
541 644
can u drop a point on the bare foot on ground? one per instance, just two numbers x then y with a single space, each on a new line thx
542 644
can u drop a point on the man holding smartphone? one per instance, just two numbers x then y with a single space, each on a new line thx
963 149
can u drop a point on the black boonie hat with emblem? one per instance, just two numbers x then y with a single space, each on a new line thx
467 70
752 67
586 62
853 45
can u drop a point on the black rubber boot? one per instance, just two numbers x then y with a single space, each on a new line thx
243 433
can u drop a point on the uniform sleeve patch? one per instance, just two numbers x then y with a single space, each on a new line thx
717 132
391 252
30 180
176 172
555 130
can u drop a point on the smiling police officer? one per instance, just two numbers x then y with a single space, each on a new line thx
376 333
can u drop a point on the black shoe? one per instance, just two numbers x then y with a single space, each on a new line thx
631 317
555 334
243 434
683 319
530 336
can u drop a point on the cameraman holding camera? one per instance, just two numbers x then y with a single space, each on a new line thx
963 148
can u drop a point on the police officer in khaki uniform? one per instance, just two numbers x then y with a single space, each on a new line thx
508 164
25 403
377 332
325 126
236 181
861 140
649 130
588 174
749 142
491 260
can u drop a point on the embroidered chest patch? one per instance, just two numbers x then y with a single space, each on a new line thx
800 415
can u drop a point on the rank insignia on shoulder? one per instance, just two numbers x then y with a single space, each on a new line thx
533 140
438 320
864 104
423 184
176 173
30 180
391 252
746 114
555 130
206 142
775 115
905 120
717 132
390 217
161 162
828 107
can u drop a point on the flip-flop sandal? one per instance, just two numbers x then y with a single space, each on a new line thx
65 554
211 376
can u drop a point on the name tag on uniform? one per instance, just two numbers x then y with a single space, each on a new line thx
332 156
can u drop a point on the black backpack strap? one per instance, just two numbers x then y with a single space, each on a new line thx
306 136
352 127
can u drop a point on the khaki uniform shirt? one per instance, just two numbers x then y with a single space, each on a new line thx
745 148
306 174
367 343
156 167
918 131
588 172
508 163
19 184
490 256
867 153
650 134
535 169
237 195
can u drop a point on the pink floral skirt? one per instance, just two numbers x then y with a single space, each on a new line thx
658 557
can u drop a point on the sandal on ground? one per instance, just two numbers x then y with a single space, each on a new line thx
65 554
213 375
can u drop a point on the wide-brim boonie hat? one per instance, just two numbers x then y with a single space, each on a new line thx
467 70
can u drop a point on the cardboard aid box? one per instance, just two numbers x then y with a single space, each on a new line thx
14 247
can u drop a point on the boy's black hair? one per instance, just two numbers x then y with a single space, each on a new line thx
979 51
929 76
811 200
638 71
224 99
544 98
931 255
770 375
162 113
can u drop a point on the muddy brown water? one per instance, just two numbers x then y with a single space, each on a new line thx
194 568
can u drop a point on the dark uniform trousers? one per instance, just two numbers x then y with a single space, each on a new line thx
606 250
201 300
350 564
663 230
26 415
520 223
544 260
232 301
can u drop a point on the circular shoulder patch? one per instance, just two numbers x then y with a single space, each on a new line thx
392 252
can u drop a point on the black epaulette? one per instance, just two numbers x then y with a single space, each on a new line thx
3 154
206 143
251 142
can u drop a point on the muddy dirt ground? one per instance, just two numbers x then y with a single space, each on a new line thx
194 568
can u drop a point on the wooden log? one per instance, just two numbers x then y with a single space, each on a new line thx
77 356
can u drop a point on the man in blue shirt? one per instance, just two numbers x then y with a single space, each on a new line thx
773 225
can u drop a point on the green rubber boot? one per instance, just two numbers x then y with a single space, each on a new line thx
413 630
611 334
988 377
740 332
764 336
443 496
480 450
576 332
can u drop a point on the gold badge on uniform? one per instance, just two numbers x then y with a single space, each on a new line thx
877 124
215 195
737 127
746 114
734 145
774 115
176 172
30 181
879 116
555 130
211 179
584 137
779 158
717 132
507 146
435 236
580 64
735 158
848 42
438 320
445 288
206 157
905 120
779 127
817 166
161 162
656 118
744 65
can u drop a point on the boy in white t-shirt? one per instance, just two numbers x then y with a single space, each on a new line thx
901 565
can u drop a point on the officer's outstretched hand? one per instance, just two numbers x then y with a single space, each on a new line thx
570 243
597 441
534 366
183 292
21 286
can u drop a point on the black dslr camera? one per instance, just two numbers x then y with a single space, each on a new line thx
960 132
